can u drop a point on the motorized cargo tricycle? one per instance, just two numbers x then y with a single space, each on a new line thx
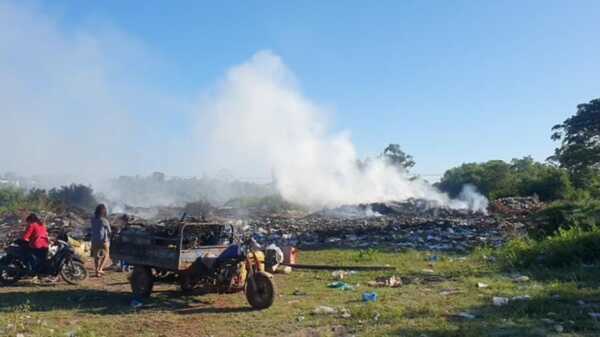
203 257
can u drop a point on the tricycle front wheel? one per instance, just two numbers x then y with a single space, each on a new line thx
260 291
142 281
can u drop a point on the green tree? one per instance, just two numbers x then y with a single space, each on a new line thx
520 177
394 155
579 151
74 195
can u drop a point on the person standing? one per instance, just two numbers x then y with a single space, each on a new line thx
100 239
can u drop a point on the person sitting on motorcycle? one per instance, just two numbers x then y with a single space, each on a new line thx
36 235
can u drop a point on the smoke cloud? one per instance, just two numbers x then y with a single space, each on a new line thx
78 103
259 118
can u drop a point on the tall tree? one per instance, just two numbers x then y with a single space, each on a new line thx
579 151
394 155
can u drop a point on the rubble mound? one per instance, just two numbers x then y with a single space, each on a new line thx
413 223
517 205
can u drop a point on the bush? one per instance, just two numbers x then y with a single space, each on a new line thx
583 214
13 199
74 195
569 246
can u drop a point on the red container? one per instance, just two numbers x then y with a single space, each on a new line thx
290 255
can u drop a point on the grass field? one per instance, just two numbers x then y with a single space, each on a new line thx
427 304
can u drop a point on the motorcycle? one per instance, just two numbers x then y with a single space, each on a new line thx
61 260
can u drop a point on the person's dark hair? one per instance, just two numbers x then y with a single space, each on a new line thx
100 210
32 218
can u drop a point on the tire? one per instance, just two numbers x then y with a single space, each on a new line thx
9 273
73 272
186 282
141 281
260 291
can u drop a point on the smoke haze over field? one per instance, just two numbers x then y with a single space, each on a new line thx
80 104
258 117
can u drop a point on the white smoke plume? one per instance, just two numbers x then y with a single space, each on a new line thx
82 104
258 118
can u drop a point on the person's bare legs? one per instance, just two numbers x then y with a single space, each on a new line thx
96 253
103 259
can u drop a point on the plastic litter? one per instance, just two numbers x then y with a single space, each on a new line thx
521 298
369 297
465 315
341 274
520 279
324 310
340 285
136 304
391 282
500 301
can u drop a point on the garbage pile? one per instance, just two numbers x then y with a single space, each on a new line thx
409 224
413 223
72 222
517 206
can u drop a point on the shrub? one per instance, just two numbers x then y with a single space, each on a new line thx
569 246
74 195
583 214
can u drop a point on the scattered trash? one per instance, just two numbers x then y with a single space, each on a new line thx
521 298
369 297
135 304
465 315
446 292
559 328
299 318
273 257
341 274
298 292
346 313
482 285
340 285
428 271
520 279
500 301
324 310
390 282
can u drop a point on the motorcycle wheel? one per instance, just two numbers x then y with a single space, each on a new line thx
141 281
260 291
73 272
9 273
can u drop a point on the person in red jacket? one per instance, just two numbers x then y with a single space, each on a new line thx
37 237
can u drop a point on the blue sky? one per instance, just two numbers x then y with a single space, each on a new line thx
451 81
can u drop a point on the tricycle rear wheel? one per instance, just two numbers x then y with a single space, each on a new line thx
142 281
260 291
